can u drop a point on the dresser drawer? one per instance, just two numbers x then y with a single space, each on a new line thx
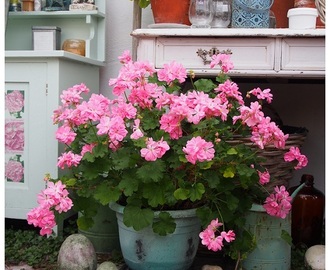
247 53
303 54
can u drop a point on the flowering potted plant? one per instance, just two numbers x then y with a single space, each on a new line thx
160 145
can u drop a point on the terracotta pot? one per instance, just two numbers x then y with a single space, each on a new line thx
280 9
171 11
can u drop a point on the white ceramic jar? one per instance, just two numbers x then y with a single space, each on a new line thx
302 18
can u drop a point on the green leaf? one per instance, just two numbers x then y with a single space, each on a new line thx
232 151
286 237
212 178
70 182
164 225
150 120
105 194
128 184
205 85
181 194
137 218
84 223
197 192
229 172
154 193
121 161
152 171
232 201
144 3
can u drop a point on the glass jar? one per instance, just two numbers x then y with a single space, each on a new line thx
201 13
222 13
307 213
76 46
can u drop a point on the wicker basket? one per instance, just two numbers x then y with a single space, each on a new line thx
280 171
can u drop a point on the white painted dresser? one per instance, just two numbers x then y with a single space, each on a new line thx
255 52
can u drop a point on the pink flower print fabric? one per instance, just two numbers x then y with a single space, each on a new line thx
14 171
14 136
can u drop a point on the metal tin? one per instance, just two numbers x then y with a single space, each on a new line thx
46 38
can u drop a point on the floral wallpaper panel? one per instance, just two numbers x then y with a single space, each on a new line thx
14 136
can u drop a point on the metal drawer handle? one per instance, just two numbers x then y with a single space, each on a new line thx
213 51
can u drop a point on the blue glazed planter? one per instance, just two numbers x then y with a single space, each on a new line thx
144 249
272 252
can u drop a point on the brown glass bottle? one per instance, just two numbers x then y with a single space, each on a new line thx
307 213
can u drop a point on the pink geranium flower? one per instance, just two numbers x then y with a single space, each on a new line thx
278 204
197 149
213 238
154 149
294 154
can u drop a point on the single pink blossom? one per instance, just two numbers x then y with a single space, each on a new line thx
68 159
223 60
137 133
262 94
125 57
264 177
87 148
65 135
171 72
154 149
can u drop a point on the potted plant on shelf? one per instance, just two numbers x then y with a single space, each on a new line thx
160 146
168 11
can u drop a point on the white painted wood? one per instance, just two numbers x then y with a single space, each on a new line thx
255 52
303 54
229 32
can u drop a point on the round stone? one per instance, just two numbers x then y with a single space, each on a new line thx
77 253
107 266
315 257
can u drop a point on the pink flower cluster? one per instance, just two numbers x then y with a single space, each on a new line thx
294 154
278 204
264 131
213 238
53 198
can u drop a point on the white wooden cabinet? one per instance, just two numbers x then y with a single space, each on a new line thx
255 52
34 81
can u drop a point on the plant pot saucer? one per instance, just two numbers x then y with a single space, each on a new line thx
168 25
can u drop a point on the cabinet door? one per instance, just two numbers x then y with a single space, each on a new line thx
25 135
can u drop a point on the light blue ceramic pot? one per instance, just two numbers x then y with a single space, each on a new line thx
144 249
272 251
